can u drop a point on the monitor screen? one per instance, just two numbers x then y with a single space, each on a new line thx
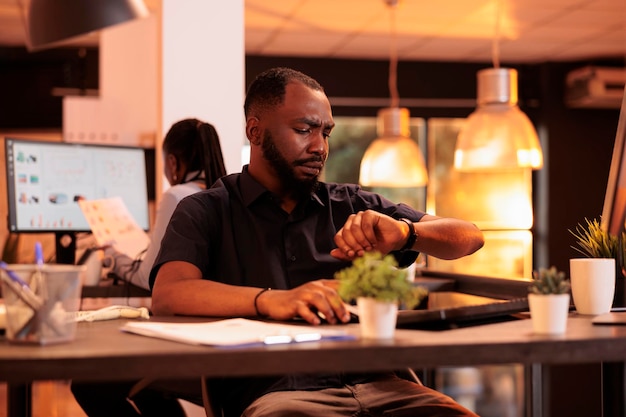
614 210
45 181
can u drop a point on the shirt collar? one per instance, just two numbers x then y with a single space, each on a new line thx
251 190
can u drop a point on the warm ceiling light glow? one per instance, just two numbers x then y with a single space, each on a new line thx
497 135
393 159
55 22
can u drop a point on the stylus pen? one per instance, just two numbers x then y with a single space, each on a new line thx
38 255
617 309
38 283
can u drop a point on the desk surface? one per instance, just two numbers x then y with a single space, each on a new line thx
101 351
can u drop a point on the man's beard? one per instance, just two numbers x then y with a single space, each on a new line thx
298 188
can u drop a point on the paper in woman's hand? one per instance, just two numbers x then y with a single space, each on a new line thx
112 224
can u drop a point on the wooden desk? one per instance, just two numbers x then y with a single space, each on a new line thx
102 352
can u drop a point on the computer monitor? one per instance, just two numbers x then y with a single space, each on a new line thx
614 210
45 181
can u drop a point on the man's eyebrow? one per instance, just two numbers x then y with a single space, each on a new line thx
315 123
308 121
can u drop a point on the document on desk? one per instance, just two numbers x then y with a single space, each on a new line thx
112 224
235 332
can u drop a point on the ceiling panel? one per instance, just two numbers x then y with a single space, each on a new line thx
443 30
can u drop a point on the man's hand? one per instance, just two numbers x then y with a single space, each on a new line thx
304 301
369 230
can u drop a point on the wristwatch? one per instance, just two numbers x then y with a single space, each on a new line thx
412 235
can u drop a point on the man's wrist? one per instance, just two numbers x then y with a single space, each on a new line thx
412 238
256 301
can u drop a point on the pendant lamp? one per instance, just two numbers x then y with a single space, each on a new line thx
54 22
393 159
497 135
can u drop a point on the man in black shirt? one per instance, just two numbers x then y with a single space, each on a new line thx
274 225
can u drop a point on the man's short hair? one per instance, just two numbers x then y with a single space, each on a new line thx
268 88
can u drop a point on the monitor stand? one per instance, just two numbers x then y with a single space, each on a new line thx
65 245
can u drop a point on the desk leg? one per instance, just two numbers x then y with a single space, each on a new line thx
613 389
19 400
533 388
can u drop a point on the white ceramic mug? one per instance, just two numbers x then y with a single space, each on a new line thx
593 284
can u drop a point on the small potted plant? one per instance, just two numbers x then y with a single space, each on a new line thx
548 300
378 286
593 277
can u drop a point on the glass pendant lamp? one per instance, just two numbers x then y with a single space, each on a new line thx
497 135
393 159
53 22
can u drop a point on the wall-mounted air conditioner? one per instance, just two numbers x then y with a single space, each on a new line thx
595 87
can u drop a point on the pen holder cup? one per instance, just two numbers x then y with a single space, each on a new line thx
43 311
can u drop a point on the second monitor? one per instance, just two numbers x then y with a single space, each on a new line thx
45 181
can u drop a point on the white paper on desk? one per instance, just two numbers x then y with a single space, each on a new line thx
235 332
112 224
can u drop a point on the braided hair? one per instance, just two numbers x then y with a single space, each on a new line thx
196 144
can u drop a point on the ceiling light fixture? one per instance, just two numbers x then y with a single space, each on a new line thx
393 159
52 23
497 135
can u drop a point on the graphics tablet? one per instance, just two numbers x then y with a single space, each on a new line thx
450 309
455 309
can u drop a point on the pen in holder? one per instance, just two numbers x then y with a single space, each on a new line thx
41 301
38 285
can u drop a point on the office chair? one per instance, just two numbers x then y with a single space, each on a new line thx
211 406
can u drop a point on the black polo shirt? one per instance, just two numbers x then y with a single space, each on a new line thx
237 233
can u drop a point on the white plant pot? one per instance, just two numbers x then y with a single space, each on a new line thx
549 312
593 284
377 319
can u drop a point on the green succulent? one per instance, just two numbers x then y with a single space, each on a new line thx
549 281
378 277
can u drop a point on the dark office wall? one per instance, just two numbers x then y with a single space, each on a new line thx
580 147
27 80
369 79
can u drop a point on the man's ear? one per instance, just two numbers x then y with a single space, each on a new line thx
253 131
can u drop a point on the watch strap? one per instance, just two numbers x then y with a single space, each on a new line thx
412 235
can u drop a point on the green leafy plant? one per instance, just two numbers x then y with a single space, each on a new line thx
549 281
594 242
378 277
